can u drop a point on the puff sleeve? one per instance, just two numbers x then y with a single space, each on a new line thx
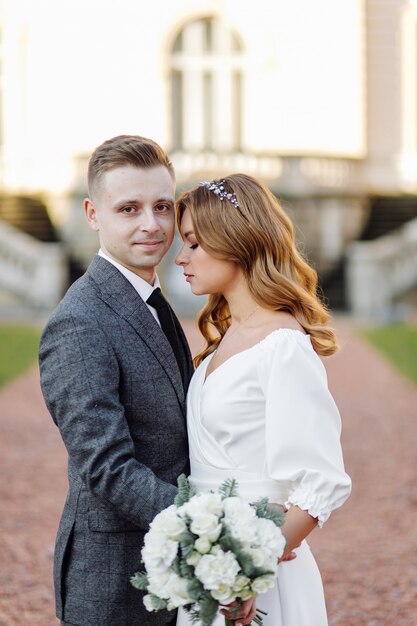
303 425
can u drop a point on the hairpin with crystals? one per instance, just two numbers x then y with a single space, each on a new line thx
220 191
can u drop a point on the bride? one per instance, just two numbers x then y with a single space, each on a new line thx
259 409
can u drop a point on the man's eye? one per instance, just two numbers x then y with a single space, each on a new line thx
162 207
128 209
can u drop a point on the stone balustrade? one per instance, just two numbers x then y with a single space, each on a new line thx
35 271
380 271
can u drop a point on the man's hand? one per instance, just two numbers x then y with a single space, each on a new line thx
242 615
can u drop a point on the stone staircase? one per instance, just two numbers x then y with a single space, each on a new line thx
386 216
29 215
34 268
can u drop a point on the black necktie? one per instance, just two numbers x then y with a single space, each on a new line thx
157 300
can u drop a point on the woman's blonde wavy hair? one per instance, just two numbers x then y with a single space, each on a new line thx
259 236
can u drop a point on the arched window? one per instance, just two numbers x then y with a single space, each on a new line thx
409 89
1 92
207 82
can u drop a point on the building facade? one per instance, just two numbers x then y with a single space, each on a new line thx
319 99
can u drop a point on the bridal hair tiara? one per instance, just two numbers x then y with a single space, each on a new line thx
219 190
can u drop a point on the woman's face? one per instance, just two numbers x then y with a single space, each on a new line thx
205 273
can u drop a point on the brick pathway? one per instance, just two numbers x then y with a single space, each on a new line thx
367 551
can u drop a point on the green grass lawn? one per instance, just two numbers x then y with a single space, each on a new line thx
399 344
18 350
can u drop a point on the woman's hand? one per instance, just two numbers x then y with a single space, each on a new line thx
291 555
243 615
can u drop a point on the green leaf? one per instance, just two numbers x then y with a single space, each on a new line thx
186 570
208 609
268 511
176 566
229 544
229 489
187 540
140 581
185 491
158 603
195 589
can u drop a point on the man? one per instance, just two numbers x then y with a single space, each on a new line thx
115 385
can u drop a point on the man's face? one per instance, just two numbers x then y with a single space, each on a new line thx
132 209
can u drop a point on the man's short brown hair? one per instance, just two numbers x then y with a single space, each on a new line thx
125 150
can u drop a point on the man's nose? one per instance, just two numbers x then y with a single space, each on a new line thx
149 222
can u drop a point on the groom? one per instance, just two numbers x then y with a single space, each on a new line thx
115 367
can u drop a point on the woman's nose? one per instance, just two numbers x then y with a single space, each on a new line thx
180 258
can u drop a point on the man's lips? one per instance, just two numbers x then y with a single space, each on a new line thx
150 244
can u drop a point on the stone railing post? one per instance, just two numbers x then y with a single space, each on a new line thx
380 270
35 271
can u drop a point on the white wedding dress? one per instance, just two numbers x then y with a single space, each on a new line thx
266 417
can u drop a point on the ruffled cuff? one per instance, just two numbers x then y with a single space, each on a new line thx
315 505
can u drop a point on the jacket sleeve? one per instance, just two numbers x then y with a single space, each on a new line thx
80 380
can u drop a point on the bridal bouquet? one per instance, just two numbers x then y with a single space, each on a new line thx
208 550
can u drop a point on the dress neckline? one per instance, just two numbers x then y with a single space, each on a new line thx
255 345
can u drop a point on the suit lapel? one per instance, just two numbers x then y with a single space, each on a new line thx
122 297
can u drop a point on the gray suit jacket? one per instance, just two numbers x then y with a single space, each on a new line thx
113 387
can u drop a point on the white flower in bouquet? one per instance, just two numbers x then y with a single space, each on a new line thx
263 583
270 536
261 558
158 552
208 502
203 545
170 587
168 523
218 569
206 525
209 550
239 517
176 591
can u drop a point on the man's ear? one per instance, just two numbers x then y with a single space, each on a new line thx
91 214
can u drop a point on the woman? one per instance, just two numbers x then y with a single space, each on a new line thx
259 409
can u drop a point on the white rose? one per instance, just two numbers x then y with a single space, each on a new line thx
157 581
240 583
223 594
240 517
158 551
246 593
176 592
202 545
194 558
215 570
260 557
203 503
245 533
237 511
206 524
263 583
270 536
168 523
